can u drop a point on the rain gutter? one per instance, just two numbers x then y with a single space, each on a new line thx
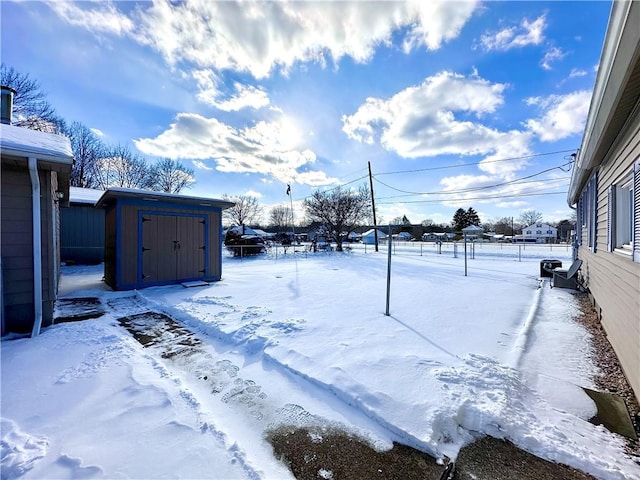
37 246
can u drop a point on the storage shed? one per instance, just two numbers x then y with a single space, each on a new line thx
82 228
154 238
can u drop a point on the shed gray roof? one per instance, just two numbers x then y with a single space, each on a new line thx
22 142
111 194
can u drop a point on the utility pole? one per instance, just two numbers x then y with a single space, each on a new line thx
293 228
373 205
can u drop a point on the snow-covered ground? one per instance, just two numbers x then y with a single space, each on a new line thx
304 339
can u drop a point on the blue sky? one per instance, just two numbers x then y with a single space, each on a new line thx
455 104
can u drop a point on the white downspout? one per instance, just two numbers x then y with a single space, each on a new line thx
37 245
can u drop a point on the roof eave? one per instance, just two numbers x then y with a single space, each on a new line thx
619 55
45 157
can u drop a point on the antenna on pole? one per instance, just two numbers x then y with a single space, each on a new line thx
373 205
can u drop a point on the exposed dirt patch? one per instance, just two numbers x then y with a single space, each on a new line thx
323 452
492 459
153 328
77 309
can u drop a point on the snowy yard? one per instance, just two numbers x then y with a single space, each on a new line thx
303 340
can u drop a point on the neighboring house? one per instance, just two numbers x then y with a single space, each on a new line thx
438 237
265 235
541 232
353 237
605 187
368 237
406 236
156 238
34 183
82 228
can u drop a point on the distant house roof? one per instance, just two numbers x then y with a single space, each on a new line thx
473 229
111 194
544 226
87 196
370 232
23 142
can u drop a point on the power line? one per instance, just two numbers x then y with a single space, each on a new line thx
491 197
477 163
550 182
473 189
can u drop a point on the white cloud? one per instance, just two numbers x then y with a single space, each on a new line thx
527 33
210 93
552 55
97 132
561 117
266 148
97 17
440 116
481 190
253 193
199 164
259 37
577 73
246 96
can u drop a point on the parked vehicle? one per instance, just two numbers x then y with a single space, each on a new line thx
243 241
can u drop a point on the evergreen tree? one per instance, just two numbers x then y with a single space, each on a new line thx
472 217
459 219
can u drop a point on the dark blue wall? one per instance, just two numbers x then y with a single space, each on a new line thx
82 234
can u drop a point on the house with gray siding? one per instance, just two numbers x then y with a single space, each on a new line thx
34 185
605 190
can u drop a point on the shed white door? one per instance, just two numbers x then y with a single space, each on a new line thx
173 248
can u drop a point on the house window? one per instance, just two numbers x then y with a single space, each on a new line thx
528 232
538 232
624 214
588 207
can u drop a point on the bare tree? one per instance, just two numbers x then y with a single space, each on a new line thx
340 210
87 151
504 226
280 217
171 176
246 210
529 217
30 106
121 168
427 222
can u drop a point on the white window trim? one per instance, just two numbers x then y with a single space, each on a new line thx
623 215
635 229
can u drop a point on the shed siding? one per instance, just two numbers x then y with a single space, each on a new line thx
110 247
82 234
124 266
613 278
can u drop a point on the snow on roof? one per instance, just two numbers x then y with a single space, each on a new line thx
23 142
84 195
370 232
118 192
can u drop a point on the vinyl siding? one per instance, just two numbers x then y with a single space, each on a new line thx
613 278
17 247
110 248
